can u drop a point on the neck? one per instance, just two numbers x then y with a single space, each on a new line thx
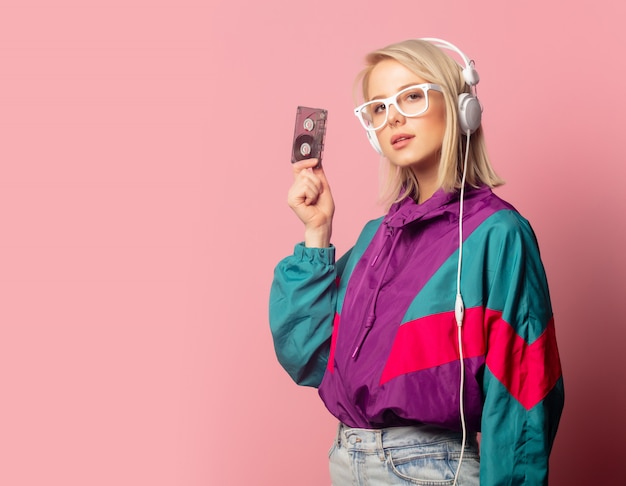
427 186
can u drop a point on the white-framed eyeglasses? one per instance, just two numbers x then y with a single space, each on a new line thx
411 101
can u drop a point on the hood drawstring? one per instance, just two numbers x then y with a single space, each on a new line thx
369 323
388 234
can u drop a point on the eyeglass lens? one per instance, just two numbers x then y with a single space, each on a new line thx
410 102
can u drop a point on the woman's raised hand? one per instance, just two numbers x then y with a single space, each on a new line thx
311 200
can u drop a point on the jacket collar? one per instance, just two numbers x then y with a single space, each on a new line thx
441 202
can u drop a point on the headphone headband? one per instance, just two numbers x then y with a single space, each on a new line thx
469 73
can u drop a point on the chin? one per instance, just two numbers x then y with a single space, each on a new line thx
407 161
418 164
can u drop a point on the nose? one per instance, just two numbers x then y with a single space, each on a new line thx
394 116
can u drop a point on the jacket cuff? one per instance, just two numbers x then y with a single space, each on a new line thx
325 256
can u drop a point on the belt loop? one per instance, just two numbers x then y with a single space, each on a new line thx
338 438
379 445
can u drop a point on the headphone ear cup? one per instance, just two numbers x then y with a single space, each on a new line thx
470 112
374 141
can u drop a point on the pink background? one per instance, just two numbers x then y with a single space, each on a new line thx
144 164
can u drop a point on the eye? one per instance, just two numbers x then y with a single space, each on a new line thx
380 108
414 95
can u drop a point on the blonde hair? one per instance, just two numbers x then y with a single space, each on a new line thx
434 66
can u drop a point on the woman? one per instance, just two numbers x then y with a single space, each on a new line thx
437 324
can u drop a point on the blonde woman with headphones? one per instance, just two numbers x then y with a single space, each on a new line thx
437 324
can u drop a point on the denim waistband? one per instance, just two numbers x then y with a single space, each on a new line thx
375 440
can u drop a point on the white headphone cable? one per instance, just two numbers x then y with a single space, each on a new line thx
459 310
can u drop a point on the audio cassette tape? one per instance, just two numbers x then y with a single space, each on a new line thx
308 137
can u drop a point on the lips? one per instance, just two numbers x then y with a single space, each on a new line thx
400 140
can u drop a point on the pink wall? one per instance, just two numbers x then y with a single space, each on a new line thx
144 163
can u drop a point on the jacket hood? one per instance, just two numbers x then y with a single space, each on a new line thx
440 203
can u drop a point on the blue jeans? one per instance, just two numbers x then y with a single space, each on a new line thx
422 455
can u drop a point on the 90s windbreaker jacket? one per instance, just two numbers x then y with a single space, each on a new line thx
376 331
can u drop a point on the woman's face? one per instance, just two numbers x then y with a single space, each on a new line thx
413 142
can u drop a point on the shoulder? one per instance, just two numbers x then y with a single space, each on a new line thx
368 231
505 222
373 224
504 236
512 224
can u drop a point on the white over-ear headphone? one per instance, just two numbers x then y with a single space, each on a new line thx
468 107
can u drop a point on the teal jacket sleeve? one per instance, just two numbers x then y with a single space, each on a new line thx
522 382
302 307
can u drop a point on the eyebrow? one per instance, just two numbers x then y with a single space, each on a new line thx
379 97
